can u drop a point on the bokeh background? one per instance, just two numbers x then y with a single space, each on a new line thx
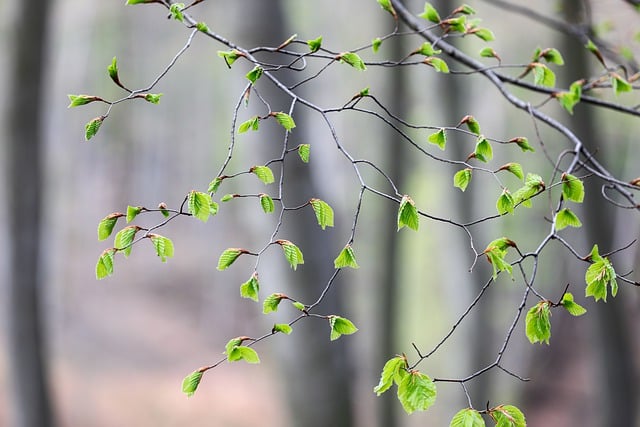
116 350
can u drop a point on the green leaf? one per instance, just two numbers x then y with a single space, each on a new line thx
571 306
505 203
538 324
523 143
214 185
78 100
267 203
408 214
416 392
112 69
241 352
427 50
483 152
352 59
233 343
250 288
346 258
228 257
514 168
104 267
619 84
438 64
430 13
199 205
467 418
230 56
391 374
300 306
213 208
92 127
163 245
124 239
498 263
465 9
283 328
364 92
572 188
132 212
458 24
263 173
508 416
375 44
285 120
105 227
304 150
438 138
191 382
153 98
292 253
227 197
271 303
552 56
591 47
542 75
386 5
253 123
566 218
472 124
533 185
489 52
484 34
600 274
324 212
569 99
201 26
176 11
315 44
462 178
341 326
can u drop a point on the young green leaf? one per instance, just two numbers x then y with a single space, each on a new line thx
315 44
566 218
78 100
542 75
497 261
285 120
391 373
483 151
386 5
619 84
253 123
408 214
124 239
571 306
233 343
352 59
303 151
430 14
514 168
462 178
552 56
538 325
104 266
112 69
458 24
250 288
267 203
153 98
271 303
572 188
191 382
214 185
300 306
227 197
324 212
416 392
438 64
105 227
230 56
483 33
467 418
292 253
340 326
228 257
600 274
263 173
375 44
176 11
591 47
569 99
505 203
282 328
488 52
163 246
346 258
241 352
464 9
255 74
508 416
132 212
472 124
213 208
523 143
438 138
202 27
93 127
533 184
199 205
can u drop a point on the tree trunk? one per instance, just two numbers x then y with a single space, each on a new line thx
30 403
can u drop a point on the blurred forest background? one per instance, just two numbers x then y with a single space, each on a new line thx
116 351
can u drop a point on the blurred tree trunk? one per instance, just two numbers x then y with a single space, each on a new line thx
30 403
317 376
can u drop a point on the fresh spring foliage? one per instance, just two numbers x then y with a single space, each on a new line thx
429 31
